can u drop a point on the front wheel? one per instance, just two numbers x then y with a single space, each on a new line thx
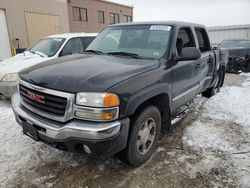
144 136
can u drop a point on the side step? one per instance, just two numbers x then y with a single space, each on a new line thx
182 113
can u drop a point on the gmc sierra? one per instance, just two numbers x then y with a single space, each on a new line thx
131 84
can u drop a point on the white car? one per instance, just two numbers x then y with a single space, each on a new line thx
45 49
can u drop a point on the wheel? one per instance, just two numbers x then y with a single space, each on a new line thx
216 87
143 138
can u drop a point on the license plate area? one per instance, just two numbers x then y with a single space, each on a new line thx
30 130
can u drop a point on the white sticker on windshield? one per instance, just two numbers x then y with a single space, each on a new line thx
57 39
160 27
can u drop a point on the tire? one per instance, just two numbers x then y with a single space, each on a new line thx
139 149
248 66
216 87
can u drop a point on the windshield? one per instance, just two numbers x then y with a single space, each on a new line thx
47 46
235 44
147 41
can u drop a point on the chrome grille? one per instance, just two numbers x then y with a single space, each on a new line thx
55 105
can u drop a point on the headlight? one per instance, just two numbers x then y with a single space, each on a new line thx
97 99
12 77
97 106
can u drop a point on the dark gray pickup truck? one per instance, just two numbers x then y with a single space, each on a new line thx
131 84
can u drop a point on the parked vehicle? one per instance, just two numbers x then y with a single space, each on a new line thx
45 49
239 54
132 83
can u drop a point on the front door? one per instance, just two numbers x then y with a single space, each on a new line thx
185 74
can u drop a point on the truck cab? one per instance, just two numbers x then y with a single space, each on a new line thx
129 85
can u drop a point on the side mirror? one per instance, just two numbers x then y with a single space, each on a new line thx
215 47
189 53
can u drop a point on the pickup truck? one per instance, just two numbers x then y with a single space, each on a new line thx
119 95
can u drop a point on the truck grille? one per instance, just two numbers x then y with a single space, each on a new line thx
44 102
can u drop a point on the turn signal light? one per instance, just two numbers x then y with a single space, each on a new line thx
110 100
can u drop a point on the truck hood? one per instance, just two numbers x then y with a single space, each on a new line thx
86 73
19 62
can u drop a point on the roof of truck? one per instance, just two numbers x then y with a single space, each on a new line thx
70 35
171 23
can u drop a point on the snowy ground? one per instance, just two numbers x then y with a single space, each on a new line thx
210 148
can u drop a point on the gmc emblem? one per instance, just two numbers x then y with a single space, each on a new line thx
35 97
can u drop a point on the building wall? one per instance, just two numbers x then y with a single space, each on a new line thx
16 22
93 6
218 34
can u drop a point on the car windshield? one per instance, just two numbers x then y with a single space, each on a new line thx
142 41
227 44
47 46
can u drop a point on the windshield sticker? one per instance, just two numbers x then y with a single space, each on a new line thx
160 27
57 39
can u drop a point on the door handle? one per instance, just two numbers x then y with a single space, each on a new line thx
198 66
210 60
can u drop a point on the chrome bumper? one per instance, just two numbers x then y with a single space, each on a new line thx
61 131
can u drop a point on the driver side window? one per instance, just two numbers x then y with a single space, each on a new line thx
185 39
73 46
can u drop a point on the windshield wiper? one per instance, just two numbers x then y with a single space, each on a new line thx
94 51
38 53
136 56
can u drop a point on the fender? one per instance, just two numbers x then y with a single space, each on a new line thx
145 94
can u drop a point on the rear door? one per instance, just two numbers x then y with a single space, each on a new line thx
185 74
207 58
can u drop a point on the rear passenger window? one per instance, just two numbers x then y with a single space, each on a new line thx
203 41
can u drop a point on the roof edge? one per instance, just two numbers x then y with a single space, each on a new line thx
114 3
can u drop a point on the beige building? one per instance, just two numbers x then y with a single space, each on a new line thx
25 21
95 15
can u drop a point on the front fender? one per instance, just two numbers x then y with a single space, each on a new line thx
143 95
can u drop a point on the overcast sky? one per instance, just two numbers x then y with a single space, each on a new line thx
208 12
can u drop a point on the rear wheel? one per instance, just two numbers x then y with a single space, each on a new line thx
143 138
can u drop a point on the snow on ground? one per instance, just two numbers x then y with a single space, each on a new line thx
223 132
20 153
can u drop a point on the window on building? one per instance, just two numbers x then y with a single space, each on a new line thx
100 16
80 14
127 18
114 18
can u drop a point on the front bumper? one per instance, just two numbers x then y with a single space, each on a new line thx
8 88
75 135
238 65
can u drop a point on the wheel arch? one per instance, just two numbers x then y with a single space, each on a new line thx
157 97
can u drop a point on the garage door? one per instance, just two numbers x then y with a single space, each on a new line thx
5 50
39 25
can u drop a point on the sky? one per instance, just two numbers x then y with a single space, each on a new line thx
208 12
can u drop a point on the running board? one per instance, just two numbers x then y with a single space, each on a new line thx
181 116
